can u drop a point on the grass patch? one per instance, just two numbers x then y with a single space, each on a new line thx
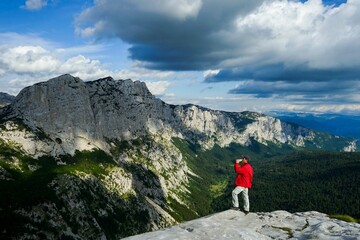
179 211
285 229
345 218
218 189
91 162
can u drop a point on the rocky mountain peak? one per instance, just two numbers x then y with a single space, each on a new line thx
83 115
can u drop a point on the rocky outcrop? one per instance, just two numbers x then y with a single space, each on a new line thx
78 115
263 225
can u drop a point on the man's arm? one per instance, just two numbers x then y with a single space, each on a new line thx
237 168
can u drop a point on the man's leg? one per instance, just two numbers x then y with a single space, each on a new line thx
235 192
245 197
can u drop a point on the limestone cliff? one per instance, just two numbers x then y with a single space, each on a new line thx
77 115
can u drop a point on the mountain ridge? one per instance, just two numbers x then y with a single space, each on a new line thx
127 159
83 115
338 124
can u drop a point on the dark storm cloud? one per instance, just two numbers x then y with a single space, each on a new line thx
329 91
271 47
184 36
212 34
280 72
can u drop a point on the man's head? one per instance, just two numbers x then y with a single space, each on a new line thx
245 158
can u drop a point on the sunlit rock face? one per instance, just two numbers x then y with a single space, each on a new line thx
263 225
77 115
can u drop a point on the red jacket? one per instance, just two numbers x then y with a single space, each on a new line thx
244 175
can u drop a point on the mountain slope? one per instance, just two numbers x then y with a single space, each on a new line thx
108 159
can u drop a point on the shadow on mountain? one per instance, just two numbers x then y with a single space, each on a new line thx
72 201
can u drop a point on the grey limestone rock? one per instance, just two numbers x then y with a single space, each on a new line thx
85 115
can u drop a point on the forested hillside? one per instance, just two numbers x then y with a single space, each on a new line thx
297 181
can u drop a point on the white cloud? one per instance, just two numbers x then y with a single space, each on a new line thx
298 33
137 72
35 4
321 108
158 88
90 31
28 59
210 73
84 68
24 65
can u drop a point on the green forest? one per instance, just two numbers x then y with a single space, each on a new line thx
284 179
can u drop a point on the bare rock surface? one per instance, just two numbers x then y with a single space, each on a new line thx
233 224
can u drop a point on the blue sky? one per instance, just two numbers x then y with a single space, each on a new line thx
233 55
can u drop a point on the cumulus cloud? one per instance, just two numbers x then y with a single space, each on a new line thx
32 60
159 87
231 33
24 65
28 59
299 36
35 4
273 47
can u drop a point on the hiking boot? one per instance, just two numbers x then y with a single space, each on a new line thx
235 208
246 212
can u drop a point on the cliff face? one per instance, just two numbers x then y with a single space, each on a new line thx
58 117
85 115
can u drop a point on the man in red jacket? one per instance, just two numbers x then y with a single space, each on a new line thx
243 182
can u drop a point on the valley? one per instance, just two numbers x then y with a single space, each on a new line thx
106 159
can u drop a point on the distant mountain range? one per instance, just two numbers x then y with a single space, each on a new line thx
6 99
338 124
